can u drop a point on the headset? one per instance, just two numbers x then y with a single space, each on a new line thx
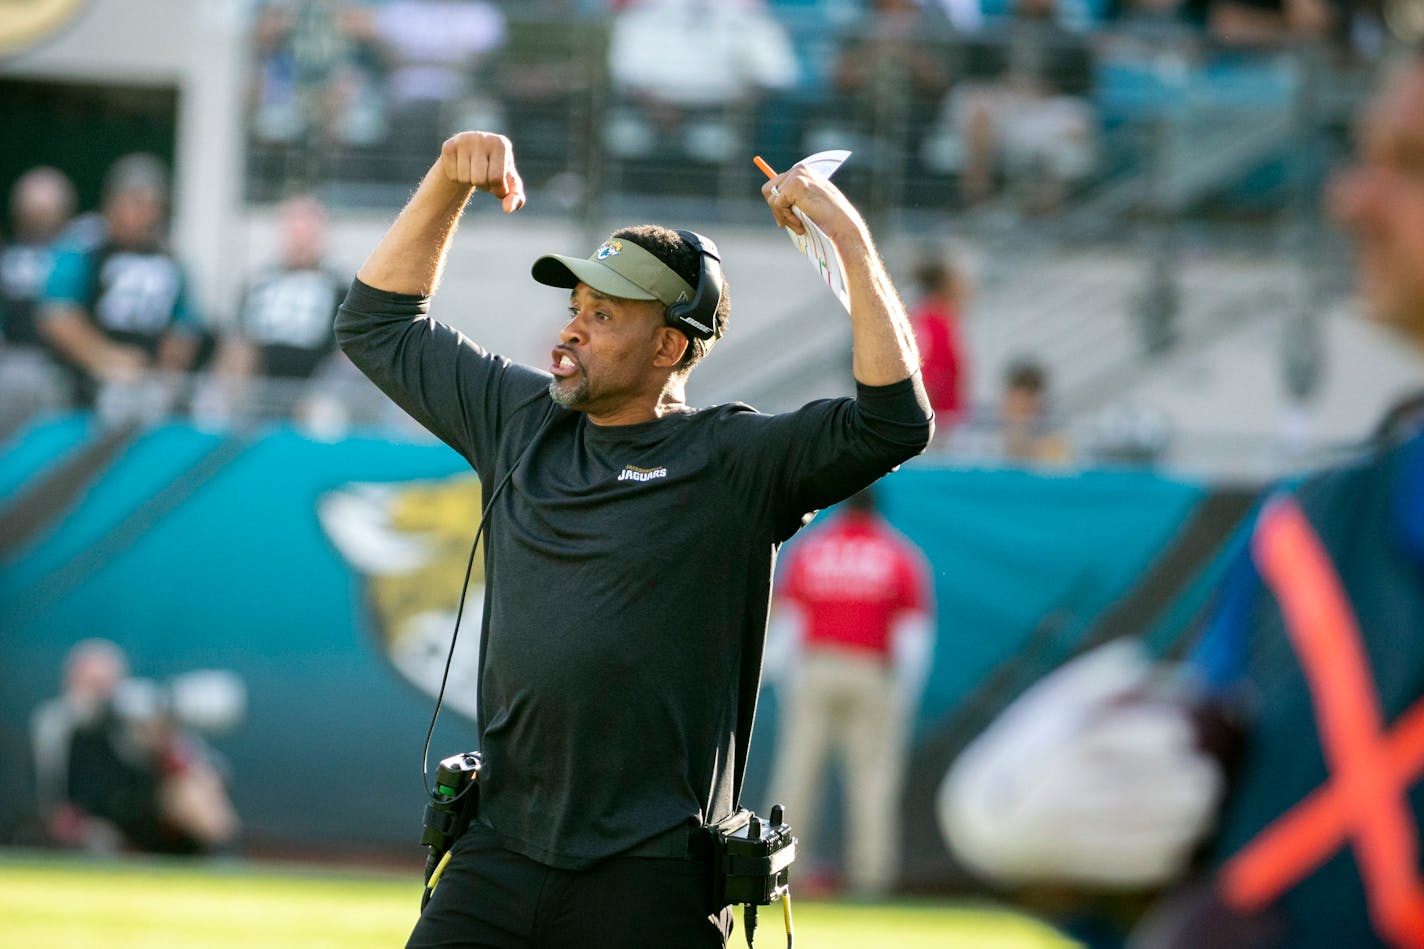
698 317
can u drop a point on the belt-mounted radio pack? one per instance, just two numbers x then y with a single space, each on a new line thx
751 858
751 864
451 807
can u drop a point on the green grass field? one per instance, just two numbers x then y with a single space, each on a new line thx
68 903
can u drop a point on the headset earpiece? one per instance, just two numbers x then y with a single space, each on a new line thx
698 317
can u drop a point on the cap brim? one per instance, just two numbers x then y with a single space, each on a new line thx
556 270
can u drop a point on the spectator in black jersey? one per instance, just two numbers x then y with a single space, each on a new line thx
629 556
119 310
283 332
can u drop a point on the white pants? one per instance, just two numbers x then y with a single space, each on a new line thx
847 702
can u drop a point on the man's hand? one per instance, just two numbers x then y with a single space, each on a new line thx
882 345
413 252
116 362
484 160
814 195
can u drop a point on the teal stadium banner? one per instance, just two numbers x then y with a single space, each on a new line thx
325 574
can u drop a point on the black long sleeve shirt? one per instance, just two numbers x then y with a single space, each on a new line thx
628 572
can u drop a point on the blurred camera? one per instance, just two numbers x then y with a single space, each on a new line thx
212 701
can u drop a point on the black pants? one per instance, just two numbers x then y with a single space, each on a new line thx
491 898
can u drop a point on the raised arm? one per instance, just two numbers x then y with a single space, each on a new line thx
883 345
453 387
410 257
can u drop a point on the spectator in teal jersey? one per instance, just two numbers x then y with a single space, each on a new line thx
119 309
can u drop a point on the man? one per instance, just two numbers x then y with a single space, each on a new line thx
1027 117
629 553
41 203
114 768
284 322
1026 431
727 55
854 608
936 318
1101 776
117 310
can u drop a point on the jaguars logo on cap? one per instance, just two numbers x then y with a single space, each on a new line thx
609 249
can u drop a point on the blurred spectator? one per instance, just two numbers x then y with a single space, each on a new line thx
550 72
943 290
115 770
1261 23
852 636
1124 433
687 74
966 16
283 332
1147 21
1026 430
315 79
1024 114
41 203
436 55
117 310
892 70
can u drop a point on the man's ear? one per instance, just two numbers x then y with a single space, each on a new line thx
672 345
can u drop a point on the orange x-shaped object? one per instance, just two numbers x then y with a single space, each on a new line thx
1365 802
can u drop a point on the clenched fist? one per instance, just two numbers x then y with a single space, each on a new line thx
486 161
812 193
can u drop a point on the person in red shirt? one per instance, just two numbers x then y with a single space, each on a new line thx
852 634
935 321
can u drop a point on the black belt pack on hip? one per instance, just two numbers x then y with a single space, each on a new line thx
751 858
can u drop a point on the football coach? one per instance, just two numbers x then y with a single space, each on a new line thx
629 551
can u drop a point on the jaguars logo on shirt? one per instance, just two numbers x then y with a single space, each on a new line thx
634 473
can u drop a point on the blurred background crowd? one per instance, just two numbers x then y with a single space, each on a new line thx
1098 193
1105 217
1182 143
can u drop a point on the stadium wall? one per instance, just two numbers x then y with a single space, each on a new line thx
324 573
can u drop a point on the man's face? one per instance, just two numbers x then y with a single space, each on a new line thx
1381 200
1022 405
607 352
303 226
135 216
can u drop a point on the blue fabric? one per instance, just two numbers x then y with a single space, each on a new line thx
1360 512
1220 656
1409 498
69 278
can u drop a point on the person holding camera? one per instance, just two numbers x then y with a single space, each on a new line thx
629 554
117 766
